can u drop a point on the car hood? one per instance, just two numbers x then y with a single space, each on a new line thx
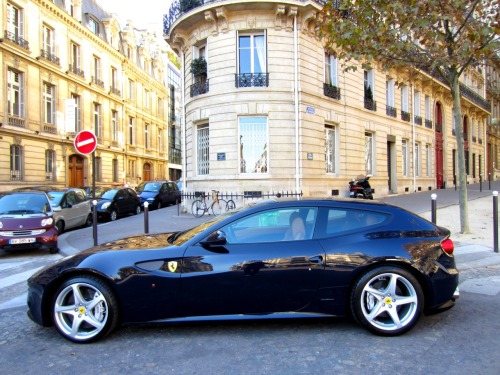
137 242
148 194
17 222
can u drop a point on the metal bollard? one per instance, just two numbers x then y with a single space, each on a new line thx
495 221
433 208
94 221
480 182
489 181
146 217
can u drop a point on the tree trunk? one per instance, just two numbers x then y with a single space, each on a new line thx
462 176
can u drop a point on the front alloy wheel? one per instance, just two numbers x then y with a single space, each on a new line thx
85 309
387 301
113 215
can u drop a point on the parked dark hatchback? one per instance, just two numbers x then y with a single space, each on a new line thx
159 194
282 259
27 222
118 202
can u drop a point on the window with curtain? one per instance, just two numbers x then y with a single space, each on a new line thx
15 93
97 120
49 100
253 134
50 158
404 155
369 150
252 53
16 163
203 150
330 148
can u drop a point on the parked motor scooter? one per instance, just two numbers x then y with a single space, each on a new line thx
360 187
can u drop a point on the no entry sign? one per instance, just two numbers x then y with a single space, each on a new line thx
85 142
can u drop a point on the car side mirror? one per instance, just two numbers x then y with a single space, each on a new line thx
215 241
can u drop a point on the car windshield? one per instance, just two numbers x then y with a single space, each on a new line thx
149 186
55 198
23 204
109 194
180 237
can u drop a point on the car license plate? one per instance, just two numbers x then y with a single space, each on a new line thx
17 241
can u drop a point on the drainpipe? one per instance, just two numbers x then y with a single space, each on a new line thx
296 94
413 136
183 127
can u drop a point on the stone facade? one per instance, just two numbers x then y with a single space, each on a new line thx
263 117
73 49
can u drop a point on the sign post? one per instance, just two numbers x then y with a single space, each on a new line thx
86 143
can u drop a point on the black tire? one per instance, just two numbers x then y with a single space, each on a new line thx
158 205
230 205
198 208
113 215
60 226
87 319
54 250
89 221
387 301
138 210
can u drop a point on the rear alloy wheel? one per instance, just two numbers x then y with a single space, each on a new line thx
85 309
89 221
158 205
137 210
387 301
113 215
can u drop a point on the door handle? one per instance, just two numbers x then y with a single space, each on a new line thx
316 259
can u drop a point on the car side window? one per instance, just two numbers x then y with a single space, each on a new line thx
286 224
79 196
70 198
341 220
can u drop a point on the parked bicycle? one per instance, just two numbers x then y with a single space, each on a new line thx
216 205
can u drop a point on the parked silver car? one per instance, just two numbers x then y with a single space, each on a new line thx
71 208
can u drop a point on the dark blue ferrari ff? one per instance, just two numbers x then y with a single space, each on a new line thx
285 258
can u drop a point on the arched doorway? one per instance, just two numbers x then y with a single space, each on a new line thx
146 172
75 171
439 146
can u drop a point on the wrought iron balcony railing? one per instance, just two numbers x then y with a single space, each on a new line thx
417 119
251 80
331 91
114 90
405 116
199 88
370 104
76 70
49 56
390 111
97 81
428 124
17 40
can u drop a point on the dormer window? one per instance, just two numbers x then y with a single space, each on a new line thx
94 26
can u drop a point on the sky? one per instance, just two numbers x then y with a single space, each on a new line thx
145 14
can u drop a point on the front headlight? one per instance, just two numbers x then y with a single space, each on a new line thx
47 222
105 205
150 200
1 225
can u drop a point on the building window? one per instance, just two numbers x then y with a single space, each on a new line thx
131 89
147 99
94 26
389 97
49 103
131 131
114 125
115 170
331 85
252 60
48 51
131 168
405 112
50 159
78 111
418 160
253 144
428 167
369 150
15 93
96 71
330 148
428 115
147 135
160 141
203 148
16 163
75 62
15 26
114 82
159 104
369 90
97 120
98 169
416 108
404 154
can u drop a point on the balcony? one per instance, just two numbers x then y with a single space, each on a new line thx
390 111
114 90
331 91
370 104
199 88
405 116
50 57
96 81
17 40
14 120
428 124
76 70
251 80
49 128
417 120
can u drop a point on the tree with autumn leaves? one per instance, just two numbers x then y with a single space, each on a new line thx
445 37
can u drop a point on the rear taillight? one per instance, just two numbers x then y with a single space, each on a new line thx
448 246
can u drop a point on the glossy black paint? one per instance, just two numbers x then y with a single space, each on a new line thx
122 200
155 280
